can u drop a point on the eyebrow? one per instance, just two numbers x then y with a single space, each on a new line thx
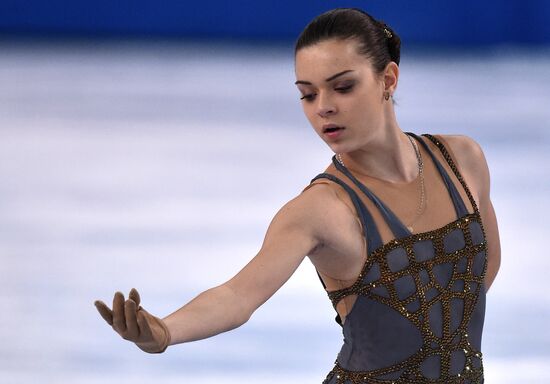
327 79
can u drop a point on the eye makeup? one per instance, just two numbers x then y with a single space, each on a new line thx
344 88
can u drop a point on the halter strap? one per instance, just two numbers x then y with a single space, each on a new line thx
399 230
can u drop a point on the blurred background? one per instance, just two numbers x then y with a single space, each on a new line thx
149 144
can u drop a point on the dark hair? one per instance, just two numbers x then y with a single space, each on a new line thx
379 46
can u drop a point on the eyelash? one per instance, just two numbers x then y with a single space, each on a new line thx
341 89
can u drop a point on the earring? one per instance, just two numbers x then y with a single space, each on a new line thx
386 95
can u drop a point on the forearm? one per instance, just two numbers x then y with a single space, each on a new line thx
214 311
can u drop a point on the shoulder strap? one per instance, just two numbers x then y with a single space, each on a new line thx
396 226
369 227
370 231
454 168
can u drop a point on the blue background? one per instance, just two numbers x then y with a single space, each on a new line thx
466 22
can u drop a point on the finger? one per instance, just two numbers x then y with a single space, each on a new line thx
119 321
104 311
144 328
134 295
130 311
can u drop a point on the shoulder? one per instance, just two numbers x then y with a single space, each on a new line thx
466 149
470 160
322 198
322 206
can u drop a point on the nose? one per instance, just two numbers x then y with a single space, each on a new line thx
325 107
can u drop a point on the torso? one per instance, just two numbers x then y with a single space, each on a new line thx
341 257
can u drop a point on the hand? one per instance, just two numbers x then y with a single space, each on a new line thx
134 323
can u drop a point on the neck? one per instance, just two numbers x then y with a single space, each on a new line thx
389 156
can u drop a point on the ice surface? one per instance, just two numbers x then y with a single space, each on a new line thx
159 166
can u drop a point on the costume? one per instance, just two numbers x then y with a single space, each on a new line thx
420 305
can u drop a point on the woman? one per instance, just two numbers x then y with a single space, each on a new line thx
406 261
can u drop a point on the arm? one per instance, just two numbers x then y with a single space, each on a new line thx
474 167
290 237
293 233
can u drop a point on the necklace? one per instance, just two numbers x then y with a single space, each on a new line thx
421 206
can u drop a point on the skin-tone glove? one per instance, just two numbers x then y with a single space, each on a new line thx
134 323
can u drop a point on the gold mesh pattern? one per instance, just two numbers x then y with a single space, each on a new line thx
465 283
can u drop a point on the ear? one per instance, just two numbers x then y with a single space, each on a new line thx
391 76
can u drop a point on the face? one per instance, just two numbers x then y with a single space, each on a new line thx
339 87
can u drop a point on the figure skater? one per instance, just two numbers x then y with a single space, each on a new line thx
400 227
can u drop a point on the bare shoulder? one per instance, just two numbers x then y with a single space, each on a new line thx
471 161
467 150
323 206
320 203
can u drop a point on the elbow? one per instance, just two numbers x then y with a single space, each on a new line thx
245 316
240 316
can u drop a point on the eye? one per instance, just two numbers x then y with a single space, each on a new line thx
308 97
344 89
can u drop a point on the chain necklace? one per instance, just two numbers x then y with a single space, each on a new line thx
421 206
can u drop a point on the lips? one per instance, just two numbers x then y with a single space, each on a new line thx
331 128
333 132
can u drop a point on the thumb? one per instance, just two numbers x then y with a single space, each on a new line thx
104 311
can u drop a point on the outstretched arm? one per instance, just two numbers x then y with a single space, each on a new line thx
289 238
293 233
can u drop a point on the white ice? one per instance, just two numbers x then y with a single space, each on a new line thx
160 165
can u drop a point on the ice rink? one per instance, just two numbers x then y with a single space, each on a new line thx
159 166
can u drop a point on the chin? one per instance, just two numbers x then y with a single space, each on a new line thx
336 148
